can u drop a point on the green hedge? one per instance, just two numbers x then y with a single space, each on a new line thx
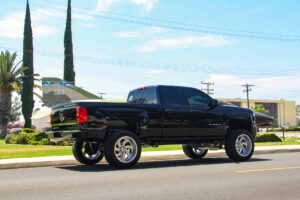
268 137
286 129
30 136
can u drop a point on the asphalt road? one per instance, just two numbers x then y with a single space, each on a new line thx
267 176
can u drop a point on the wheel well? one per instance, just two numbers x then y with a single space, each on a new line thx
118 125
239 124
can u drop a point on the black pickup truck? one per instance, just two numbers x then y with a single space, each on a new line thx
154 115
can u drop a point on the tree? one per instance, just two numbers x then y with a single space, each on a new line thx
260 109
28 81
10 79
69 74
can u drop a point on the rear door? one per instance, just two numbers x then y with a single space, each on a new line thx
176 112
148 99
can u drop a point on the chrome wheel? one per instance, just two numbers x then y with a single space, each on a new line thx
91 150
198 151
125 149
243 145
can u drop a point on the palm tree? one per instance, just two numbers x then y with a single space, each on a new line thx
10 79
260 109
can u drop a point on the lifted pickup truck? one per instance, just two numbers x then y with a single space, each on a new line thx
154 115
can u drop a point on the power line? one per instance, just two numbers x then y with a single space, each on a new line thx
208 90
186 27
152 65
247 90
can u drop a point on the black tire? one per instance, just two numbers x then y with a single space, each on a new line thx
191 152
91 155
247 148
126 157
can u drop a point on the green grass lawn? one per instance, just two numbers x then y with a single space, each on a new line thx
27 151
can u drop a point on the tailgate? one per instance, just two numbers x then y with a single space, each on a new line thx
63 118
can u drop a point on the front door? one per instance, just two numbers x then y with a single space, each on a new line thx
188 113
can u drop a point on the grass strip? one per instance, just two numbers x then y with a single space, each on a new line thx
7 151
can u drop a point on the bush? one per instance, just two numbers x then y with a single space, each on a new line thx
40 136
44 141
13 141
268 137
28 130
32 142
9 137
23 137
293 129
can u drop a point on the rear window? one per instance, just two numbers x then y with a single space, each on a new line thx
143 96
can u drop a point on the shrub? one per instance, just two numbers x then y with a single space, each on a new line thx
28 130
268 137
23 137
9 137
44 141
293 129
13 141
32 142
40 136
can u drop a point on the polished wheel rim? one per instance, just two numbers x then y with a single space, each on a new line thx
243 145
125 149
91 150
198 151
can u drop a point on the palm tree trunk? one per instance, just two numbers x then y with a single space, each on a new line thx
5 107
4 123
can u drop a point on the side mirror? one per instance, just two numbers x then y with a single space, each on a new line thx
213 103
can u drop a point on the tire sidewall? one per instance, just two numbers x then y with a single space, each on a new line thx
109 149
77 152
188 151
230 145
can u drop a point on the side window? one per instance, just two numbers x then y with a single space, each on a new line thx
144 96
173 96
196 97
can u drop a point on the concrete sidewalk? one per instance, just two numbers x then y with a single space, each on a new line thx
146 156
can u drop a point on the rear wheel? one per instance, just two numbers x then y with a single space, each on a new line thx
239 145
88 153
194 152
122 149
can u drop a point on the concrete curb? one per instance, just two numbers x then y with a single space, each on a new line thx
146 157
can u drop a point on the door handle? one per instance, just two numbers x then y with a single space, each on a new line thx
194 111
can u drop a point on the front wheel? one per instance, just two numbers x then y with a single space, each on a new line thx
193 152
88 153
122 149
239 145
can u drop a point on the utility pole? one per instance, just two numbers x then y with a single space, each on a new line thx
101 93
247 90
207 89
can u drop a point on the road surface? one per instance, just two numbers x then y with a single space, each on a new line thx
267 176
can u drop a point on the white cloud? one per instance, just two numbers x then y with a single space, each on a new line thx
128 34
88 25
154 72
264 88
147 3
12 25
184 42
139 34
104 4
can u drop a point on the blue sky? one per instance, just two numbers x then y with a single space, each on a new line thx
124 44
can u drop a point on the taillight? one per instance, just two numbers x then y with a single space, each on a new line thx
142 88
51 119
81 115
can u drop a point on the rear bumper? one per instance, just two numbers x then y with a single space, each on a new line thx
60 136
